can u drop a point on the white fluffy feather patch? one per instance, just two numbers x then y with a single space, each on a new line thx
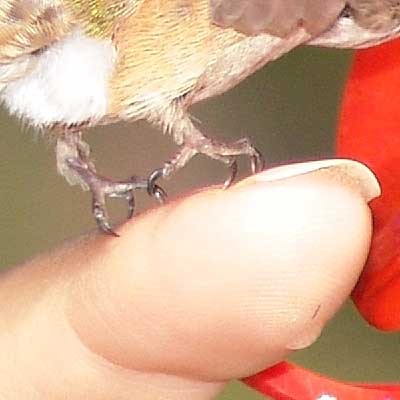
69 83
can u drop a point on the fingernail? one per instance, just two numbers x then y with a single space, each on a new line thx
347 172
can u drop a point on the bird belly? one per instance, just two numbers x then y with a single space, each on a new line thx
162 50
171 49
67 83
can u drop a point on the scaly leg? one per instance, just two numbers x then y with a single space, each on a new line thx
193 142
74 163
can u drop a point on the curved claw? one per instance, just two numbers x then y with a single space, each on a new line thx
131 204
106 228
151 181
153 189
257 162
234 170
159 194
102 220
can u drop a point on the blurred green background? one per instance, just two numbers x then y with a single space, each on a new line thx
289 109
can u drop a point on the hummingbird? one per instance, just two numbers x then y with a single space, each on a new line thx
68 65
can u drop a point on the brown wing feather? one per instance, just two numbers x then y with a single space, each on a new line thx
277 17
26 26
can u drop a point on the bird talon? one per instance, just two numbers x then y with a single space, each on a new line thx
234 170
257 162
101 218
131 203
106 228
153 189
102 188
160 194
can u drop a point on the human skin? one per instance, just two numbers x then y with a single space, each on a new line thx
210 287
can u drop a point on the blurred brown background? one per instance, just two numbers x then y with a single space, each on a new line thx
289 109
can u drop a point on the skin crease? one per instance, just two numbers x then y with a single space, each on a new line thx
156 314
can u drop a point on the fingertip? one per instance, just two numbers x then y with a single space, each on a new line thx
350 173
241 269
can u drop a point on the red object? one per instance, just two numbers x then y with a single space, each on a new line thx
369 131
286 381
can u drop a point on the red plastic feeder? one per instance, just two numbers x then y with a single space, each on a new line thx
369 131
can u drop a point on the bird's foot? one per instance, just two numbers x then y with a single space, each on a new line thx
226 153
102 187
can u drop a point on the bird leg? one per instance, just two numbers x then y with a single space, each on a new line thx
194 142
73 161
